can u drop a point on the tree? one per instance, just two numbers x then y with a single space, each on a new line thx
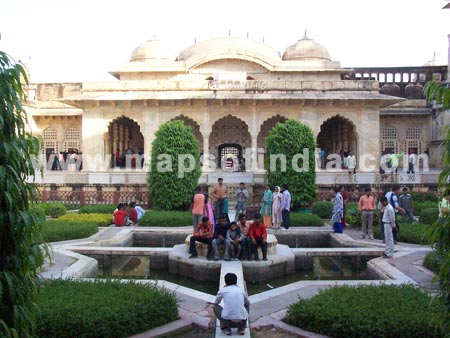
175 166
439 232
20 252
292 143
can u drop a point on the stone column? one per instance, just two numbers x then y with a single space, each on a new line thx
94 158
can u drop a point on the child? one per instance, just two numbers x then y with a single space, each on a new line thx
234 236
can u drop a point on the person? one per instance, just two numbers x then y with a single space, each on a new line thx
351 164
411 161
208 210
234 237
220 238
405 201
242 198
246 243
444 208
133 213
203 233
276 208
121 217
219 194
322 158
236 306
140 212
258 236
338 210
344 195
285 207
266 206
389 222
197 206
393 200
366 206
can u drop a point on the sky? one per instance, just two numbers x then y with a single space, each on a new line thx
84 40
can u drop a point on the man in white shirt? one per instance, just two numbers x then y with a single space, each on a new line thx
389 226
411 162
236 306
285 207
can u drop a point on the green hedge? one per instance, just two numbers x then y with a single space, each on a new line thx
56 230
424 197
419 206
101 220
166 219
366 311
323 209
429 216
98 209
301 219
433 260
71 308
409 233
53 209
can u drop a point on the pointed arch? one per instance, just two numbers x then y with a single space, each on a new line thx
229 135
338 133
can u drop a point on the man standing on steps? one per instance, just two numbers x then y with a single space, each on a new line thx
242 198
236 306
219 194
285 207
389 220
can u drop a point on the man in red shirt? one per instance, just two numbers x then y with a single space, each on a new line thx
258 236
120 216
204 233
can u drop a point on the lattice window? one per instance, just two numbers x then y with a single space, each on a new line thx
389 133
50 145
72 139
389 140
49 134
413 133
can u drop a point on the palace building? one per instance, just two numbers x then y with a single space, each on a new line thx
231 92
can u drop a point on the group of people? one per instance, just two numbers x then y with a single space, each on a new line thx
275 206
241 239
389 205
122 217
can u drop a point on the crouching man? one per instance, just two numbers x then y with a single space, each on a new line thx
236 306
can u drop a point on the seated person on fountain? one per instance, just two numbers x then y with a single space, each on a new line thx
203 233
234 236
133 213
258 236
246 243
220 238
121 216
236 306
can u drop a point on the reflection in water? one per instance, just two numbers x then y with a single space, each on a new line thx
325 268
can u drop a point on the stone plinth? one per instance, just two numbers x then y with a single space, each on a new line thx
202 248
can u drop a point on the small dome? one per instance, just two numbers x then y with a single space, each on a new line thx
390 89
434 62
152 50
414 91
306 49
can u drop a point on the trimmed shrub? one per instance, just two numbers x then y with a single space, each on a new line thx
72 308
56 230
409 233
434 260
367 311
100 220
166 219
174 149
98 209
429 215
301 219
56 210
323 209
419 206
352 214
289 139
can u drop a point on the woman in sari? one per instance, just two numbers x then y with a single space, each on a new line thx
266 206
276 208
